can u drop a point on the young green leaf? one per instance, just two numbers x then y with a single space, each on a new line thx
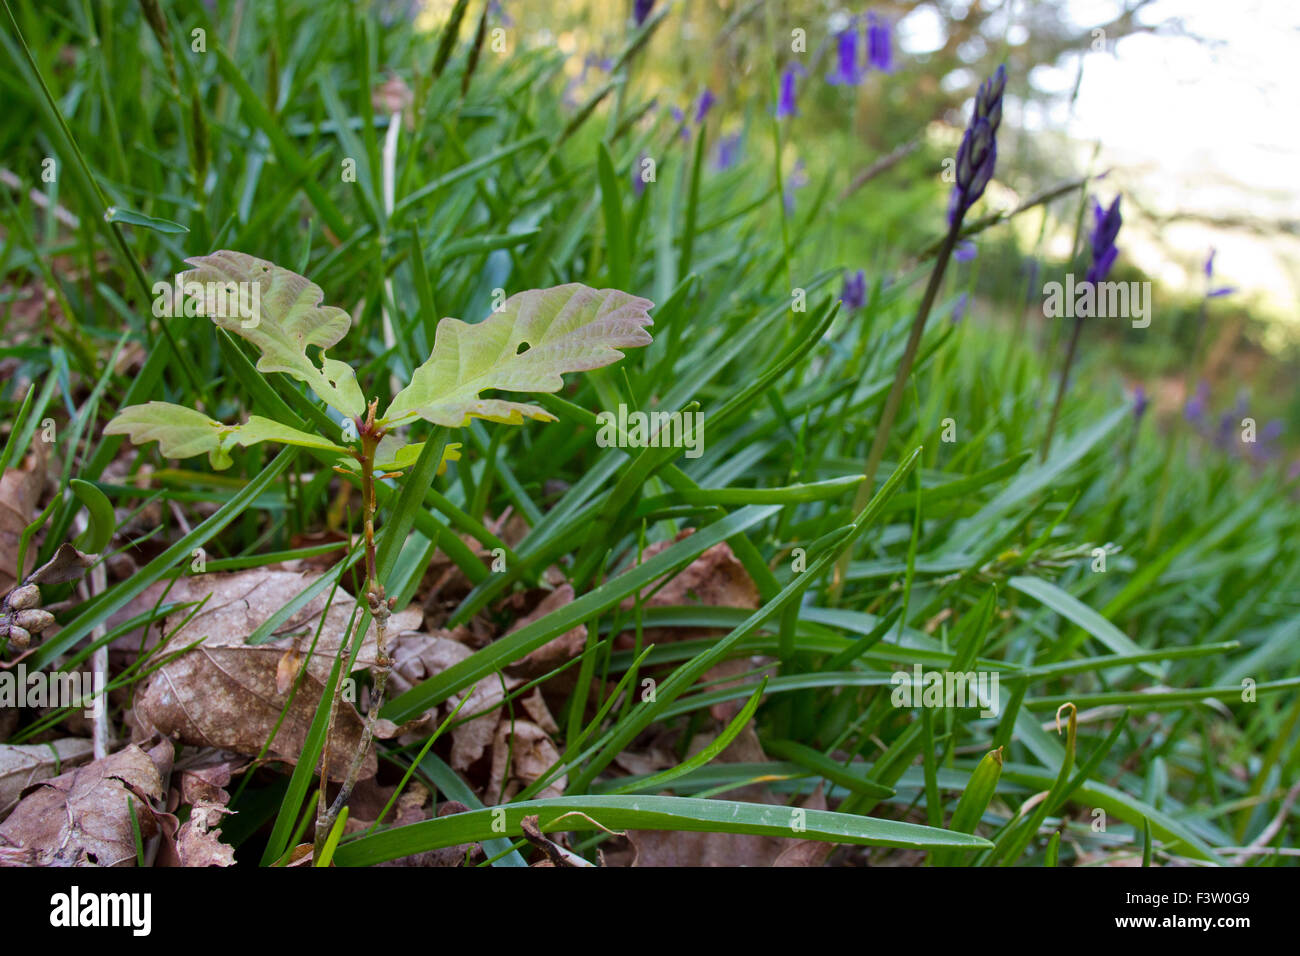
536 337
183 432
286 317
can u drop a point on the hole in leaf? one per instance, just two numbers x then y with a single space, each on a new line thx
523 347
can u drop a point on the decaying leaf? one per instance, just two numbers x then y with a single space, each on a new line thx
521 753
22 765
200 785
527 346
556 651
715 579
83 817
20 491
417 657
228 694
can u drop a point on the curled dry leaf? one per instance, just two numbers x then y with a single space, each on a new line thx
83 817
417 657
22 765
522 752
556 651
201 786
715 579
228 694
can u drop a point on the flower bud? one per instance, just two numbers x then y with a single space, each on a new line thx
34 620
18 638
29 595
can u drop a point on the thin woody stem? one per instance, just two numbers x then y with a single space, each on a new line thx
377 604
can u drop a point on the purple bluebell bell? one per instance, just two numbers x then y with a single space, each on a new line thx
1106 223
703 105
728 151
638 183
1212 292
880 48
965 251
854 294
847 71
978 154
1140 402
641 10
1194 411
785 104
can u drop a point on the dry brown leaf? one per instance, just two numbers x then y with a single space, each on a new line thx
715 579
417 657
523 751
22 765
20 492
227 694
558 650
674 848
83 817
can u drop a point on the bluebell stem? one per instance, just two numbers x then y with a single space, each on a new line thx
1106 223
959 308
854 294
641 9
980 156
880 51
797 179
847 71
785 104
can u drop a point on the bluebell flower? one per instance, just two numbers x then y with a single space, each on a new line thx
965 251
1140 402
847 71
1213 293
638 184
785 104
854 294
728 151
978 154
641 10
1106 223
1194 411
703 105
880 51
497 12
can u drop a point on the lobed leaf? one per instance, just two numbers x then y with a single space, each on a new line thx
568 328
183 432
289 318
